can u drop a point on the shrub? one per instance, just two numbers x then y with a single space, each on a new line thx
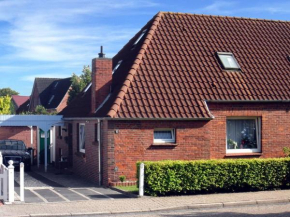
286 151
205 176
122 178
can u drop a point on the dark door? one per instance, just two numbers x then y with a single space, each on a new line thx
42 142
70 145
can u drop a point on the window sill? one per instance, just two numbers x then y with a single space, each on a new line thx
243 154
164 144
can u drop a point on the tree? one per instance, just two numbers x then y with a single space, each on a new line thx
40 110
79 82
7 92
5 103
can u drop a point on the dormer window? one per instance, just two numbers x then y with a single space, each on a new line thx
117 66
139 38
228 61
50 100
55 85
88 87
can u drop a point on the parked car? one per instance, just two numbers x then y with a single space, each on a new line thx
15 150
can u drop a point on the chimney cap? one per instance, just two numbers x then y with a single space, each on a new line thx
101 54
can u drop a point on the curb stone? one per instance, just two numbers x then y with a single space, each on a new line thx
239 203
273 201
193 206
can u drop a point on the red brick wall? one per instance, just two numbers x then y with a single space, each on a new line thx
131 141
63 103
85 165
101 81
126 142
34 99
275 122
194 139
20 133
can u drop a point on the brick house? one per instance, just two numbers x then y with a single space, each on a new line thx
184 87
18 101
51 93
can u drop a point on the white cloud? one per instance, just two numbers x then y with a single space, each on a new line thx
59 31
235 7
50 75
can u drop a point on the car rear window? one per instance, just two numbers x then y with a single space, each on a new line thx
12 145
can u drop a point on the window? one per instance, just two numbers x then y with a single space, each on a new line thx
243 135
228 61
90 84
139 38
50 100
164 135
117 66
59 132
82 146
55 85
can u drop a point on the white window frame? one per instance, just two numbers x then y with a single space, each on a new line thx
258 136
80 138
228 54
117 66
155 141
140 37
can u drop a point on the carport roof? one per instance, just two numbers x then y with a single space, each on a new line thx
42 121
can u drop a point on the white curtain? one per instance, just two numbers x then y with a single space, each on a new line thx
242 134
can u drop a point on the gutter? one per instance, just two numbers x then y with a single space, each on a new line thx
137 119
248 101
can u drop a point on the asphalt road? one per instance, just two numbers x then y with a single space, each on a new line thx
278 210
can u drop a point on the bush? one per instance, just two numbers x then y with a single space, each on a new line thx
207 176
286 151
122 178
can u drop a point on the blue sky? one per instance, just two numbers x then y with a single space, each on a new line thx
54 38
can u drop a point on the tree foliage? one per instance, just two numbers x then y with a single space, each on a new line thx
39 110
79 82
7 92
5 104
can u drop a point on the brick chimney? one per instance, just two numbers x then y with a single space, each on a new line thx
101 79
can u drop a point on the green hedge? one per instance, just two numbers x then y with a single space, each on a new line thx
204 176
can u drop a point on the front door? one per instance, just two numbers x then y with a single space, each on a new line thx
42 141
70 145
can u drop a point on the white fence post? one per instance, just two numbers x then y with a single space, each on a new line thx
141 180
21 181
1 158
11 181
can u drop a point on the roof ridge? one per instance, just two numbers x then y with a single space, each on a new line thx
208 15
126 84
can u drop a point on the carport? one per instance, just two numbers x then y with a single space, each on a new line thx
43 122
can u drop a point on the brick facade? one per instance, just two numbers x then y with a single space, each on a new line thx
126 142
20 133
84 164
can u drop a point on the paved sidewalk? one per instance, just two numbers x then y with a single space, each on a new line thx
92 207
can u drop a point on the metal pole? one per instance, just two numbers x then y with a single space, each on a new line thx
141 180
45 151
1 158
38 147
11 181
21 181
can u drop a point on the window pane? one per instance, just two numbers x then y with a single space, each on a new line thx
163 134
228 61
82 137
241 134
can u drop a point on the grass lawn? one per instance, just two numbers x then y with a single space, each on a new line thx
131 189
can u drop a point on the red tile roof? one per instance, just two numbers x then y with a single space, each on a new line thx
174 70
19 100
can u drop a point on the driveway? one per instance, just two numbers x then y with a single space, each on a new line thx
52 187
